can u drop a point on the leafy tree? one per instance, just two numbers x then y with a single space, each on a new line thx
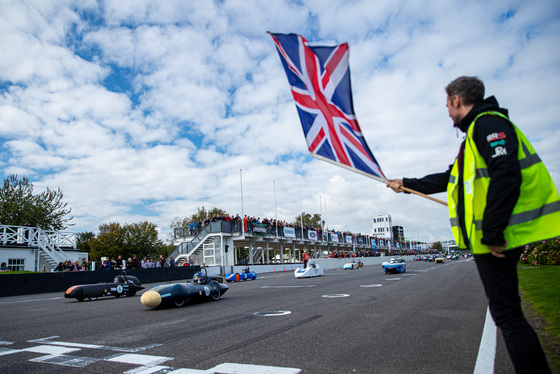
143 240
309 220
199 216
202 214
82 241
19 205
140 239
437 246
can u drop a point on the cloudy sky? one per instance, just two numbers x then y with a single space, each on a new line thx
147 110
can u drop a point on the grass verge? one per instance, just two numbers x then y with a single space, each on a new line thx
540 293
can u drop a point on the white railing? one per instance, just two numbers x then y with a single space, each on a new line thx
50 242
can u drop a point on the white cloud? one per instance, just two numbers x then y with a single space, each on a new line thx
146 110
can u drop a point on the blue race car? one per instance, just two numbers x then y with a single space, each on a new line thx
243 276
396 265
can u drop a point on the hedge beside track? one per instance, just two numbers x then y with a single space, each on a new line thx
34 283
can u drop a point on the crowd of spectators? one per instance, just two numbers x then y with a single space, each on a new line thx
194 227
119 264
84 265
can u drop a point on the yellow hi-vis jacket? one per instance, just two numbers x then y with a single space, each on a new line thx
536 215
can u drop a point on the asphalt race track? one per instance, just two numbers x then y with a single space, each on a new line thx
427 320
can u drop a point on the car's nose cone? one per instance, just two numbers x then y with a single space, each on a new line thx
151 299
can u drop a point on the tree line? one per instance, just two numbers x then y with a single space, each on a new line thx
19 205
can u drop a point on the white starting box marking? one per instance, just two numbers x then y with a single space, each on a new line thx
50 350
272 313
64 360
56 353
250 369
371 285
337 295
144 360
308 286
91 346
8 351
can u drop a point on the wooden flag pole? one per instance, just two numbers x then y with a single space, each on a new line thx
383 180
423 195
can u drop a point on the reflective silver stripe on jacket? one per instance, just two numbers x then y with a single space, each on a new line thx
524 163
525 217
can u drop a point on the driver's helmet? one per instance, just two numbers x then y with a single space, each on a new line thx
199 278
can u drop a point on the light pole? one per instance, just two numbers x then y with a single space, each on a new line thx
242 216
275 211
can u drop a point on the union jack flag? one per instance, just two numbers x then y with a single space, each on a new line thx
319 77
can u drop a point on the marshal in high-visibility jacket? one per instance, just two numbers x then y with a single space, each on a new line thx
536 215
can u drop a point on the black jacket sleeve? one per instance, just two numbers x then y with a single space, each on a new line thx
497 142
429 184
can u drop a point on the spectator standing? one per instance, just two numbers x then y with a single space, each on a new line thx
119 262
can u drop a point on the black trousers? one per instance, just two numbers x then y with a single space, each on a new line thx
499 278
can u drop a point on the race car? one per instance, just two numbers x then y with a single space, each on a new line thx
439 259
351 265
178 294
312 270
243 276
395 265
122 285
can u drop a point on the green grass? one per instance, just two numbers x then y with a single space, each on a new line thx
540 291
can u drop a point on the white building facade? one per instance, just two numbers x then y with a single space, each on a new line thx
382 227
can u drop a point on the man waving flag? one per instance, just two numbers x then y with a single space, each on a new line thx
319 77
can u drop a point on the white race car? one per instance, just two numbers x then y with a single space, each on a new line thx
353 265
312 270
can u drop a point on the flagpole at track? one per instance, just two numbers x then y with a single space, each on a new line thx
383 180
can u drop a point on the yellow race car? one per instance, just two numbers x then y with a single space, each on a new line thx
439 259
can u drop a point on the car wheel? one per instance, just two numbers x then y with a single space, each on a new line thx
216 296
131 293
80 298
179 303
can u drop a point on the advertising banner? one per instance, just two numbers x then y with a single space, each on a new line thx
312 235
260 229
289 232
